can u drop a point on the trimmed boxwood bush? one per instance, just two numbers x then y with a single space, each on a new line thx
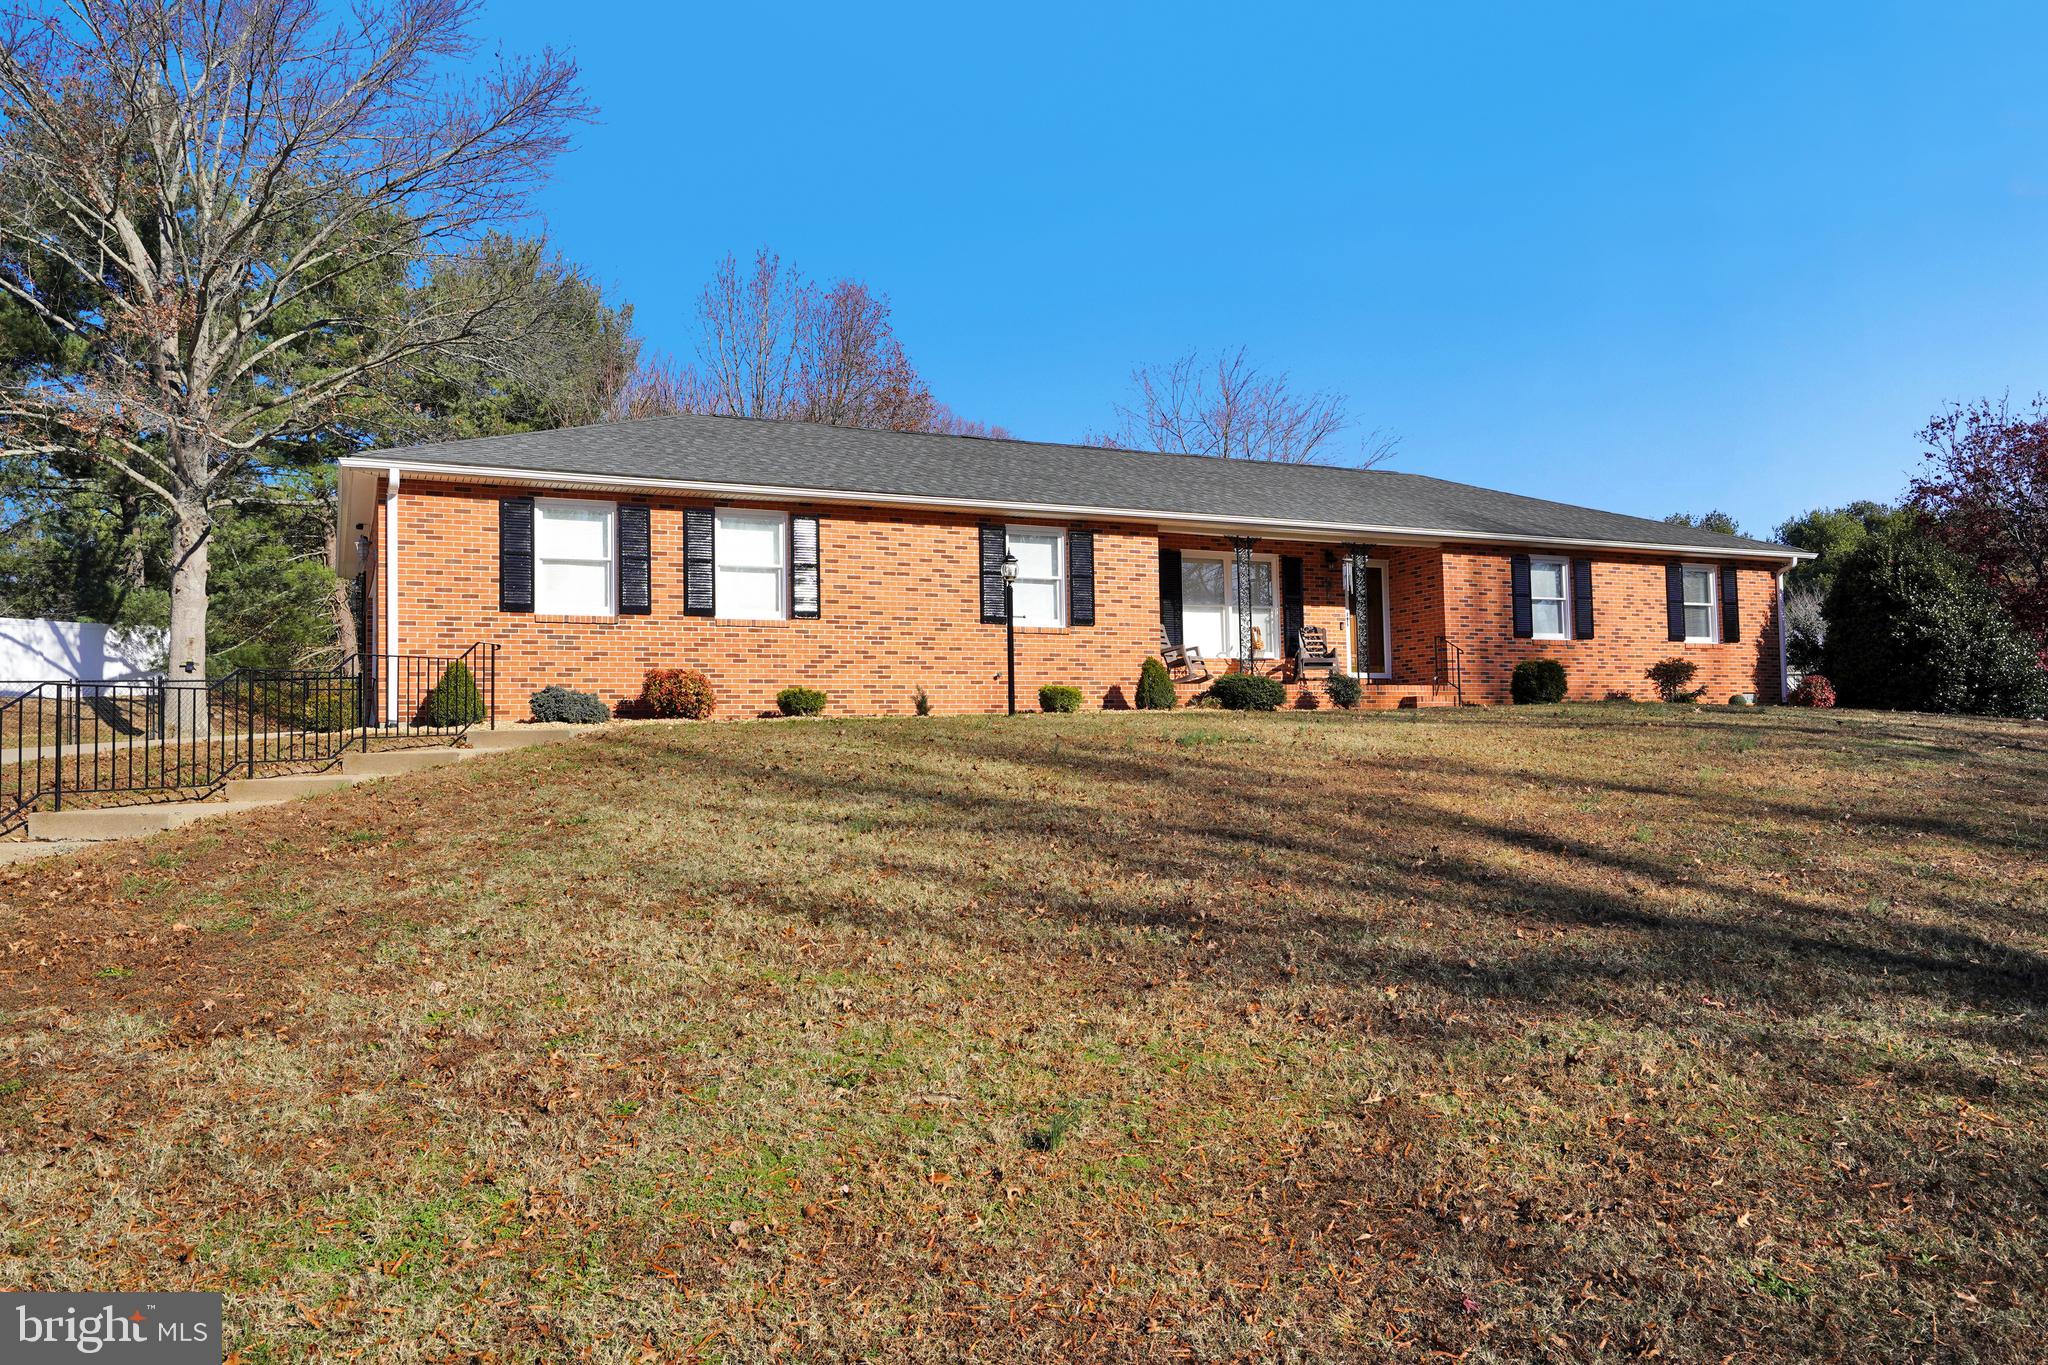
800 701
562 705
454 702
672 692
1537 681
1247 692
1155 686
1053 697
1343 689
1671 677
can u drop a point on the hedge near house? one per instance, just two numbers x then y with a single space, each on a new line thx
1537 681
1155 687
454 701
1910 628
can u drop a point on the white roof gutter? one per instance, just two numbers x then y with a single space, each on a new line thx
1332 531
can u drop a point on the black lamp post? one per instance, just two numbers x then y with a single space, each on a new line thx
1010 624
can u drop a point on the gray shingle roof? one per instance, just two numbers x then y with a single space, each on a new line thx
802 457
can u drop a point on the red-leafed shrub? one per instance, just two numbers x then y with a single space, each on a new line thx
684 692
1813 690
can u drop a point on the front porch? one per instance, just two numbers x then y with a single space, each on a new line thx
1241 604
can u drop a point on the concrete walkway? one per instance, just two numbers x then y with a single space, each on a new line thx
51 832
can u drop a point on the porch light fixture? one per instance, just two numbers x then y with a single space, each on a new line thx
1010 624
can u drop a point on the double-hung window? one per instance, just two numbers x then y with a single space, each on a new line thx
573 548
1550 606
1038 597
752 564
1702 604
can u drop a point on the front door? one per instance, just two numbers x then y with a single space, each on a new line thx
1370 642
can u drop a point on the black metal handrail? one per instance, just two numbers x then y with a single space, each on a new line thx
152 737
1450 667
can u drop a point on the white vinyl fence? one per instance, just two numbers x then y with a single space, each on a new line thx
35 650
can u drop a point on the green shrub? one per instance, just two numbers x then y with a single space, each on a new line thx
922 702
560 705
671 692
1672 677
1537 682
1911 628
800 701
333 709
1247 692
454 702
1053 697
1344 689
1155 686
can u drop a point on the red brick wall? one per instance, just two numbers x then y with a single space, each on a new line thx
1630 630
901 610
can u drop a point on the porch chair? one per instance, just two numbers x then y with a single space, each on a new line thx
1314 651
1184 662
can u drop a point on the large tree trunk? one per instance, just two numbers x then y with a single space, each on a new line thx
338 605
191 545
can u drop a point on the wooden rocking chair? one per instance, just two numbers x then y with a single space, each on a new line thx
1314 652
1184 663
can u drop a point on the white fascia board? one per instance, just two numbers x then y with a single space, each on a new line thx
1192 522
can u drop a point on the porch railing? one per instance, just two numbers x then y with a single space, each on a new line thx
1450 667
156 738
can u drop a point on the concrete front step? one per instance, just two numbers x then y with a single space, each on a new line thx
271 789
126 822
394 761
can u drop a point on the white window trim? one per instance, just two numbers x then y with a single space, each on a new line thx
719 568
1713 602
1059 572
1564 575
1230 605
611 559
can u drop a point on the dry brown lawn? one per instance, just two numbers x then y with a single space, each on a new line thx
1574 1034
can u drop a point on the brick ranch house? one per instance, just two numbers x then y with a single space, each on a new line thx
868 564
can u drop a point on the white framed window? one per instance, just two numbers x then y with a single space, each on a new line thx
1210 610
1550 598
1702 604
574 549
1038 597
751 565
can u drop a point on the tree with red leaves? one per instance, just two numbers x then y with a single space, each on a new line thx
1984 494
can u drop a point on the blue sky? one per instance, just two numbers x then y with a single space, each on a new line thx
1646 256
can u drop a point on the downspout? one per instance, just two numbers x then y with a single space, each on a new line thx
1784 673
390 643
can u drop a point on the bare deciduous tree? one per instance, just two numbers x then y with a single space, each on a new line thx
772 344
241 181
1230 408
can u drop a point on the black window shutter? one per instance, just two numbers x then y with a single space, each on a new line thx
1525 617
1674 600
515 554
636 561
1290 605
1731 606
1169 595
700 560
806 598
1080 578
994 545
1582 598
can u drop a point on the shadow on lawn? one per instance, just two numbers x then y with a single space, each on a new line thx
1419 898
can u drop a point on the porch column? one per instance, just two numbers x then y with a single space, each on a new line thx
1241 548
390 641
